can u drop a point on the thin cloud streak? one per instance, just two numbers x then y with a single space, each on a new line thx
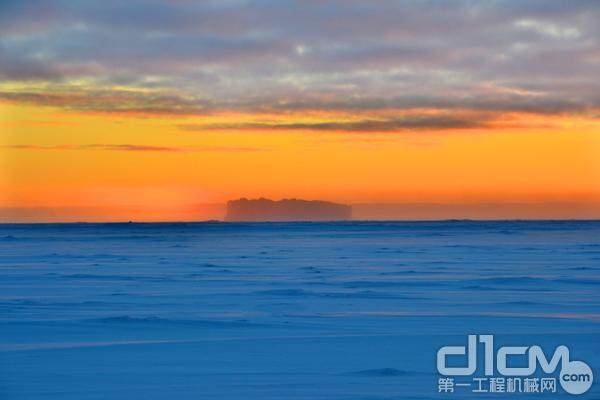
132 147
140 103
368 125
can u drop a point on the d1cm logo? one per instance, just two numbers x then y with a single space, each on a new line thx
576 377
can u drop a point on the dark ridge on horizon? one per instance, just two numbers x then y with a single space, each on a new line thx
553 211
267 210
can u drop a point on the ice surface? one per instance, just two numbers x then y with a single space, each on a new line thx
351 310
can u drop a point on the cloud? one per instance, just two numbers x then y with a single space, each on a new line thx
479 101
110 147
412 122
549 29
183 57
133 147
112 101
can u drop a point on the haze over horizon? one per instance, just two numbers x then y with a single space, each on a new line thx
360 212
162 110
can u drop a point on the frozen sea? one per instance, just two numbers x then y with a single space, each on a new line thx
353 310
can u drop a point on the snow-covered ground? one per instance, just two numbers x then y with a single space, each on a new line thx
351 310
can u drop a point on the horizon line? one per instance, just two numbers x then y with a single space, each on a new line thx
222 221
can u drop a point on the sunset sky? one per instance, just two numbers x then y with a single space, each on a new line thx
154 110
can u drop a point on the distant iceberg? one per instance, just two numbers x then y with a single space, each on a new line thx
286 210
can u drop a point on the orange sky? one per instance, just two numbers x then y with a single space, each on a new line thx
53 157
167 109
